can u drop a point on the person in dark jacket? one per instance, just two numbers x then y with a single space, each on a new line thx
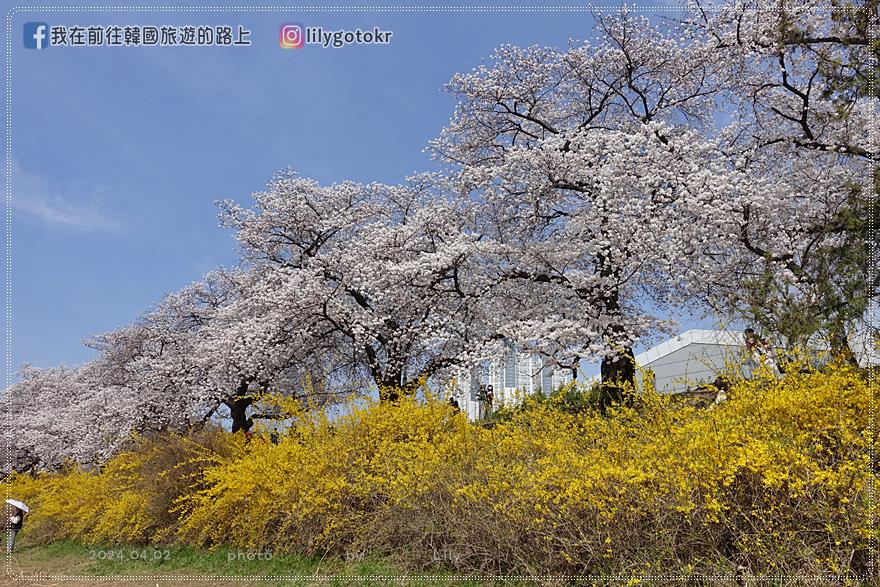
15 522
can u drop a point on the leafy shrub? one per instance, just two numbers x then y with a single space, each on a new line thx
750 484
129 499
772 481
326 484
570 398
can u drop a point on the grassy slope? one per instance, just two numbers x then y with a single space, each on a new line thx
188 567
71 558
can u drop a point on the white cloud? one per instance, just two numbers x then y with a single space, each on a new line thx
34 198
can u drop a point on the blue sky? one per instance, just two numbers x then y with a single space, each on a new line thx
119 152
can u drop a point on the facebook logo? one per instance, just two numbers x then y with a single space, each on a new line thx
36 35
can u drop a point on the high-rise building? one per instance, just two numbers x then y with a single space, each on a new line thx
507 379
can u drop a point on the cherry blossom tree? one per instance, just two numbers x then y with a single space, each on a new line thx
378 282
803 127
155 353
142 380
662 164
727 158
173 356
67 414
597 177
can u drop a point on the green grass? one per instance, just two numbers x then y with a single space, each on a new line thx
72 558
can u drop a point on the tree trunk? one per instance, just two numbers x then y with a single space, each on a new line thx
389 394
390 387
238 409
389 380
617 374
616 377
840 348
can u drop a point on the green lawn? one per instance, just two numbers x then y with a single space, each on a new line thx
177 562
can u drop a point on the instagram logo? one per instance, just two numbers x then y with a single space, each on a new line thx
291 36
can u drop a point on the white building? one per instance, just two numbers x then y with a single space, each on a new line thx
691 358
679 364
509 378
699 356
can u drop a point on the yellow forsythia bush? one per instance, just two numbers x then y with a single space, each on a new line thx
129 500
321 488
772 481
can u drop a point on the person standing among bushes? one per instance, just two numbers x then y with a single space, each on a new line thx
760 351
15 522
